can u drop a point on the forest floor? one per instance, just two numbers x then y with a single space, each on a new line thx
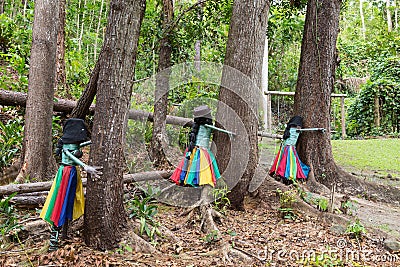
260 233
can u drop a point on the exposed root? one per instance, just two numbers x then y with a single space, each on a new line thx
207 223
139 244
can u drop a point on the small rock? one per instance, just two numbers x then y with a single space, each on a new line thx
392 245
338 229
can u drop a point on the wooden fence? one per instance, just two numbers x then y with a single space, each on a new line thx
268 94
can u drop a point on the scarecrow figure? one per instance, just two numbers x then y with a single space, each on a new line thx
199 166
287 164
65 200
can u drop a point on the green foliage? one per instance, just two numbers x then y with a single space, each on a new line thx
221 200
211 237
322 204
356 229
144 209
11 137
324 260
285 27
286 200
8 218
382 87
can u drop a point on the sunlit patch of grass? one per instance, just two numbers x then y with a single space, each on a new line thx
376 155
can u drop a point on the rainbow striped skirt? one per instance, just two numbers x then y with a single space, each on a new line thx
200 168
65 199
288 165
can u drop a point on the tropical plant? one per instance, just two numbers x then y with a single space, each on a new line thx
356 229
144 209
221 200
286 200
11 135
8 218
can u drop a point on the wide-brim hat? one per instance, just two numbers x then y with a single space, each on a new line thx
202 112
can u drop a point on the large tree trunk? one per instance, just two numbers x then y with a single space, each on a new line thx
105 216
38 160
162 88
240 95
313 102
315 85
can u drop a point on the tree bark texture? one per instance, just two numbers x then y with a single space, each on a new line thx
61 79
82 108
37 153
315 84
105 216
239 96
162 88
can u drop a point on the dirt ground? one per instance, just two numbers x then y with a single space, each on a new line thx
258 236
259 233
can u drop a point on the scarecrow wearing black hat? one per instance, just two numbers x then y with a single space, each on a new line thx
65 200
287 164
199 166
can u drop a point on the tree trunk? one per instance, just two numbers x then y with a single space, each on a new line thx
315 84
377 113
396 11
84 103
61 79
162 88
1 6
38 158
363 29
105 216
389 16
239 97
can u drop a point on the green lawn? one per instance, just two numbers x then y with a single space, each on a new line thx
381 156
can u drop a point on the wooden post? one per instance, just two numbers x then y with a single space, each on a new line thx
343 115
342 97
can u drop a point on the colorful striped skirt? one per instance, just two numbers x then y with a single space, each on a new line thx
288 165
65 199
200 168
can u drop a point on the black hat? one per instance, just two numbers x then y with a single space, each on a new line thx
293 122
74 131
202 112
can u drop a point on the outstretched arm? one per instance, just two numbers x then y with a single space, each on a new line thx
221 130
311 129
87 168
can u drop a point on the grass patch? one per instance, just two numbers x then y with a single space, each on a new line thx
375 155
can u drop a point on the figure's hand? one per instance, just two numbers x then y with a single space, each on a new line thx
95 170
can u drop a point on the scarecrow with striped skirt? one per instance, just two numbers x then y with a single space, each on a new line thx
65 200
199 166
287 165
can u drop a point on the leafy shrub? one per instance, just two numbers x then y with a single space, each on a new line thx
144 209
11 136
381 89
356 229
286 200
8 218
221 200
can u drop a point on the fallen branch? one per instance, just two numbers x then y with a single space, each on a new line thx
9 98
45 186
